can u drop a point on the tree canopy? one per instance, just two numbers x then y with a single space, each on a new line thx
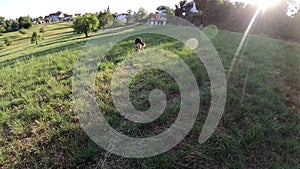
104 18
25 22
86 24
280 20
141 14
34 38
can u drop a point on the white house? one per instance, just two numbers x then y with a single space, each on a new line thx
122 17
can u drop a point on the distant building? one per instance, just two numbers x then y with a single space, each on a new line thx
54 17
35 20
122 17
67 17
159 18
156 15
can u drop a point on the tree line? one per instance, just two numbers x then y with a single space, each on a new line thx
281 20
93 22
9 25
232 16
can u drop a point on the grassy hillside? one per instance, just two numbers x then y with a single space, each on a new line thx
39 128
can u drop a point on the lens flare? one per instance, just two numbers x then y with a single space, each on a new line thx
264 4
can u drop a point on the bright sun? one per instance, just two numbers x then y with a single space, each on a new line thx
264 4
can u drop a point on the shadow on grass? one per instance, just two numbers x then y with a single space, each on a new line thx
63 47
42 53
20 39
65 38
61 33
63 27
61 39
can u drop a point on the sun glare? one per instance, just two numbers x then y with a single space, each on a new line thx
264 4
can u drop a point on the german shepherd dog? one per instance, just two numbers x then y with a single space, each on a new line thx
139 44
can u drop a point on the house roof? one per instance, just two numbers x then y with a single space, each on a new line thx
68 15
54 14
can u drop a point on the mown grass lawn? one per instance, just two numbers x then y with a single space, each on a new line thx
39 128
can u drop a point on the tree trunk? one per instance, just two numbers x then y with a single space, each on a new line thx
36 42
86 34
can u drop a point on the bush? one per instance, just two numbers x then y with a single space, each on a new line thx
25 22
2 29
22 31
118 23
34 38
8 41
42 30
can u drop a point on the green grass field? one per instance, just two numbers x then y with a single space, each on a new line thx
39 128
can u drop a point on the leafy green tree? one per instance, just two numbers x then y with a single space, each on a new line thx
7 41
34 38
15 25
8 25
11 25
2 29
42 30
141 14
104 18
2 24
2 19
86 24
129 16
38 20
47 19
25 22
118 23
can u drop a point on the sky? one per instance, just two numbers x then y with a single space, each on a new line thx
35 8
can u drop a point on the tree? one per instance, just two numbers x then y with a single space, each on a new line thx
86 24
129 16
2 24
141 14
34 38
38 20
104 18
2 19
42 30
14 25
118 23
2 29
25 22
47 19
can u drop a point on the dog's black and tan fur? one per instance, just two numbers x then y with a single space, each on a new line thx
139 44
